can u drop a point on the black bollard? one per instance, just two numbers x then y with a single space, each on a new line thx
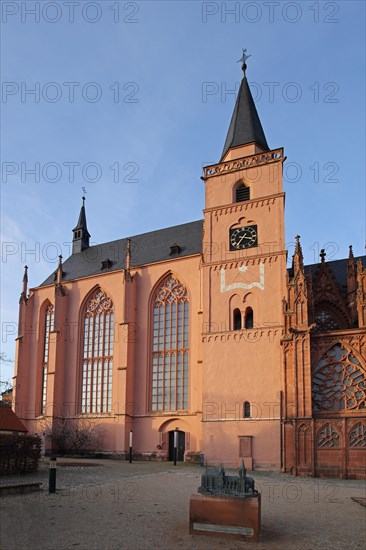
131 446
52 475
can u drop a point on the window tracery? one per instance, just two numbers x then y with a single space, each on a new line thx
328 437
325 321
339 382
170 346
357 436
96 393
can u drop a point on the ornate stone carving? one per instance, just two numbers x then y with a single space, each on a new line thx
328 436
338 382
357 436
171 291
245 162
100 302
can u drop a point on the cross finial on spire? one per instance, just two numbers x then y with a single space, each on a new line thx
83 197
322 255
350 251
243 59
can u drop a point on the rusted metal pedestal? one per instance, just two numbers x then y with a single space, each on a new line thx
230 517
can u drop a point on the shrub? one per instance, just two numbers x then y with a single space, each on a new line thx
19 454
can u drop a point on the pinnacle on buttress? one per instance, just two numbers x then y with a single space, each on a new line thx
59 270
298 259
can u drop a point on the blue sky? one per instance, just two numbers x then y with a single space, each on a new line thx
137 96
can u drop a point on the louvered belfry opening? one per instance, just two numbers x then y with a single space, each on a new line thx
242 193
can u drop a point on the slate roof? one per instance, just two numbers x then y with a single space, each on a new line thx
245 125
155 246
9 422
147 248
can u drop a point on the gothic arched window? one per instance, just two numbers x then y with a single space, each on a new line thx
242 193
339 382
246 409
170 347
96 384
49 326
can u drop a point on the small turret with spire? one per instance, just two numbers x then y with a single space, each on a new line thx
81 236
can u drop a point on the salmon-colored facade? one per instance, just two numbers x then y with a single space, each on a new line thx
202 329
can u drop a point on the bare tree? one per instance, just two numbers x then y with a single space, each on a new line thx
5 384
70 435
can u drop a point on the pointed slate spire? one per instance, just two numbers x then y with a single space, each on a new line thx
245 125
81 234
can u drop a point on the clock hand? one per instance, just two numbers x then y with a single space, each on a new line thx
244 237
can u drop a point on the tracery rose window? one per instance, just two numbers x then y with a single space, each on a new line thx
338 382
170 350
96 387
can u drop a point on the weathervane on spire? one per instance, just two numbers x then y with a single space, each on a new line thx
243 59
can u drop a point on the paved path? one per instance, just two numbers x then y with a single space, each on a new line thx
115 505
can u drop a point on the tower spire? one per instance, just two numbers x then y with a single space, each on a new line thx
81 236
245 126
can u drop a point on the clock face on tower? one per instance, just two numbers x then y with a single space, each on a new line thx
243 237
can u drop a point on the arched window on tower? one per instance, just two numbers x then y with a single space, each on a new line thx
49 326
96 384
249 318
170 346
237 319
242 193
246 409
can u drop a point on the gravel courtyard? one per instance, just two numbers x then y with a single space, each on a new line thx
112 504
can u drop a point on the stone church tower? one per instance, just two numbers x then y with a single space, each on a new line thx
244 274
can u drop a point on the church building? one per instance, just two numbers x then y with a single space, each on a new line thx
201 330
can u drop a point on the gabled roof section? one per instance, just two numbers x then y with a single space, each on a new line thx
245 126
9 422
147 248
